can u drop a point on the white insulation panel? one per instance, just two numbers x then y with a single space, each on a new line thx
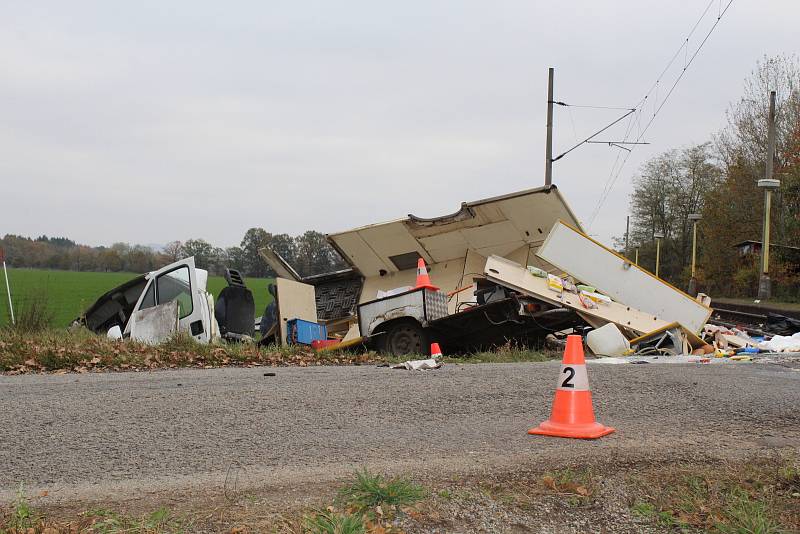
595 265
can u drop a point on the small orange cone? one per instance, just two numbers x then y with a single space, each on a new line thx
436 352
423 280
572 415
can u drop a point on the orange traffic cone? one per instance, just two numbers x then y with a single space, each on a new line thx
572 415
436 352
423 280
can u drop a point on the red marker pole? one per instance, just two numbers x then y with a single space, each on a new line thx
8 288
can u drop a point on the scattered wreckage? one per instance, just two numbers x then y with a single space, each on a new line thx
493 262
515 268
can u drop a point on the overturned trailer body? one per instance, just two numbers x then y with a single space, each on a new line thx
499 265
470 312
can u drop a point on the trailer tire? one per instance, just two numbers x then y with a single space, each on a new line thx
402 337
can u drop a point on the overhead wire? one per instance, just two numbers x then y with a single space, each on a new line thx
590 107
598 132
616 171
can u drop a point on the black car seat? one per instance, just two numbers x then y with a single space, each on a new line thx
235 308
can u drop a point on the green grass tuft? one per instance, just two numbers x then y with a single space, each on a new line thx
744 515
367 491
22 516
329 522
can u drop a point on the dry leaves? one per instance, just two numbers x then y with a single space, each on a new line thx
567 486
61 353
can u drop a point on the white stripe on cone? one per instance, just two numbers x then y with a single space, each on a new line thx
573 378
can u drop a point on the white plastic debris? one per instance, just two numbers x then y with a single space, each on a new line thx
607 341
418 365
393 292
782 343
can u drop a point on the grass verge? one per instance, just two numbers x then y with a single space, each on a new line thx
22 518
82 351
760 497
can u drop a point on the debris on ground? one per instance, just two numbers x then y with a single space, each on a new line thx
418 365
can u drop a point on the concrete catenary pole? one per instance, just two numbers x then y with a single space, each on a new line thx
768 184
548 168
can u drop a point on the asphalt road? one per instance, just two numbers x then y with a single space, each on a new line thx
82 437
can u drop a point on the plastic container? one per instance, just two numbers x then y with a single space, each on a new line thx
607 341
305 332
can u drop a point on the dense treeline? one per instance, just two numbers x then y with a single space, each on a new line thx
308 253
717 179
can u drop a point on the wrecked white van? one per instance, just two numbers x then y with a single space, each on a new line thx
154 306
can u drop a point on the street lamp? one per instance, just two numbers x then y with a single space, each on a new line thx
764 285
659 236
694 217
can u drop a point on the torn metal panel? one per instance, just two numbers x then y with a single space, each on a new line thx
155 325
515 276
592 263
464 213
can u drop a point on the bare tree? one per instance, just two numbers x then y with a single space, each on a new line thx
744 138
173 251
667 189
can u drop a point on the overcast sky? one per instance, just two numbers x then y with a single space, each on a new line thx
147 122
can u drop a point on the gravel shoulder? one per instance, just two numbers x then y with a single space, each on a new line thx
184 435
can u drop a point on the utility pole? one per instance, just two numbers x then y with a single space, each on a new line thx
548 168
768 184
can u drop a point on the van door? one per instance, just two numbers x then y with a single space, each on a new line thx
178 282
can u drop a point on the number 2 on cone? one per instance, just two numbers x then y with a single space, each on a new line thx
567 381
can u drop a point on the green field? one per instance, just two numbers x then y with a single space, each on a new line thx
69 293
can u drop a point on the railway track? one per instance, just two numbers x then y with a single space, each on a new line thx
747 318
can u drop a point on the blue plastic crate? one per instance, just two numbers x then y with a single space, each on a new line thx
304 332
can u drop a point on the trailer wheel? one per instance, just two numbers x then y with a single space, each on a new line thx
403 337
